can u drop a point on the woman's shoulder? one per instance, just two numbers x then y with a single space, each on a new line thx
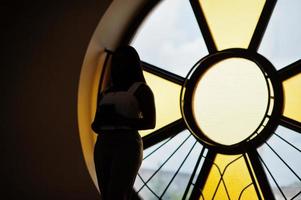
143 87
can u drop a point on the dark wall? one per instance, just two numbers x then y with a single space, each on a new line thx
42 50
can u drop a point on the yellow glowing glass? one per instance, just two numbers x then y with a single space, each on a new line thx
230 100
167 95
292 98
236 177
232 22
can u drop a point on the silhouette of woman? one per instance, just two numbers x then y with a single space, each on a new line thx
118 149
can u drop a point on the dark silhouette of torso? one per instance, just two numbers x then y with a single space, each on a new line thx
118 150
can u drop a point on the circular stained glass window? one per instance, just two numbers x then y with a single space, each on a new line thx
231 100
229 126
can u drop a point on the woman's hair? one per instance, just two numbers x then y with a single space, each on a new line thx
126 68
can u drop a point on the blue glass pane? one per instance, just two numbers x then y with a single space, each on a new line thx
167 160
287 172
282 39
170 37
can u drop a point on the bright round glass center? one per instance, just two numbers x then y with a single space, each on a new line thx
230 100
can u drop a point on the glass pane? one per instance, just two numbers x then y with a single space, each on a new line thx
281 157
167 97
292 98
232 23
167 159
281 40
170 37
236 177
221 193
248 193
237 102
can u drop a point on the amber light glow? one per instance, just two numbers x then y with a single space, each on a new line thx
233 170
292 97
232 23
230 100
167 96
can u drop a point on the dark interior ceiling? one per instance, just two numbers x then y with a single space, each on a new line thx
42 50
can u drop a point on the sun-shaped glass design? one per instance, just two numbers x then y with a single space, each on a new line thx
227 85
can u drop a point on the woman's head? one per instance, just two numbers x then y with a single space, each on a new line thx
126 68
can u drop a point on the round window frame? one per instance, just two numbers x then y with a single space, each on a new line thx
270 74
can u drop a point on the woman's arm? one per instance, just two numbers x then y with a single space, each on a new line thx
147 105
106 115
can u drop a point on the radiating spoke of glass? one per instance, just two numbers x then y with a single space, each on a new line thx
292 98
168 166
162 165
228 177
178 170
170 38
163 73
290 70
291 124
279 156
281 40
232 23
272 180
193 177
158 147
167 95
163 133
